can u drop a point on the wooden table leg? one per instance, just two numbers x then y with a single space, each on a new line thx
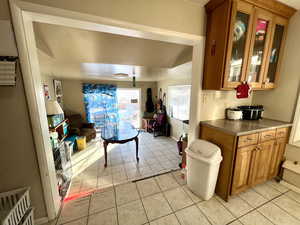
137 148
105 144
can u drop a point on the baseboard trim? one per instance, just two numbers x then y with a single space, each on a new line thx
290 186
41 220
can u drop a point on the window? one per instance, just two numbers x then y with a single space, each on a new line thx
129 105
179 101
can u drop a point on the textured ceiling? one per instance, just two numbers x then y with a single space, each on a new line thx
293 3
75 53
74 45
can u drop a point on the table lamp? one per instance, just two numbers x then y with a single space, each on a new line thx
53 108
55 114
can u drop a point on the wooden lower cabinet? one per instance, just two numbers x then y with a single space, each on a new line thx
242 169
246 164
252 166
276 157
260 162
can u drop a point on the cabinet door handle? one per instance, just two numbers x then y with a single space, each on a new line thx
268 135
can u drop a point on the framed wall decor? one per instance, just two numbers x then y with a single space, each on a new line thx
58 91
46 92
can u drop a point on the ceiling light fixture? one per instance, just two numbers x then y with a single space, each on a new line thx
121 75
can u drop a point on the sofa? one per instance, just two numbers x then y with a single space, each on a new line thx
78 126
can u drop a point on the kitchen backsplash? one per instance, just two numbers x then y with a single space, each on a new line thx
214 103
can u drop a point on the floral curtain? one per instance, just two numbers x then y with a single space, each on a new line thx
101 105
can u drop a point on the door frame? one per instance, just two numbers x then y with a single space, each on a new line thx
139 100
24 14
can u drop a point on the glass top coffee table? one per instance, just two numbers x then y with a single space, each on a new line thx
119 134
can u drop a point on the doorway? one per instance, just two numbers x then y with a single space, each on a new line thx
129 105
24 15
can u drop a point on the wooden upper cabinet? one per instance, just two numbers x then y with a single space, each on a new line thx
275 52
238 44
244 42
260 40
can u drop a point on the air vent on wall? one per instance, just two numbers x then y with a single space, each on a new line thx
8 71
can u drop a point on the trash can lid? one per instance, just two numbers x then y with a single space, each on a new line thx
204 151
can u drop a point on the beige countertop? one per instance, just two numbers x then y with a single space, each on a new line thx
244 127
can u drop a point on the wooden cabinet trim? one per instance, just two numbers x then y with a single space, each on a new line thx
216 68
264 158
227 144
284 22
238 6
277 157
273 6
282 132
267 135
260 14
243 163
246 140
260 163
218 22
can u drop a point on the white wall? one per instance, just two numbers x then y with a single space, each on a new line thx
177 15
18 160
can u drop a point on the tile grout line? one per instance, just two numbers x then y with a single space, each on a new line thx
174 211
142 203
235 217
162 192
285 209
72 220
291 197
88 216
256 208
117 212
196 204
265 217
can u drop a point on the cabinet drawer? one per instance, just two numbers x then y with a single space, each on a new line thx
267 135
246 140
282 132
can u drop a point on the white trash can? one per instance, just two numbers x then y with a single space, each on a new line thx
203 163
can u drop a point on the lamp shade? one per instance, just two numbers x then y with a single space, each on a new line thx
53 108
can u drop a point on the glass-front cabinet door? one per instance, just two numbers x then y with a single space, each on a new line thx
275 52
239 42
261 34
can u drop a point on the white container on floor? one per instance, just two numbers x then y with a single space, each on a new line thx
203 163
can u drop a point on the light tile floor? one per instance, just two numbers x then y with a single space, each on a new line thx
157 155
118 196
166 200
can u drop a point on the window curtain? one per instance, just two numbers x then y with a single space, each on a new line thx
101 105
